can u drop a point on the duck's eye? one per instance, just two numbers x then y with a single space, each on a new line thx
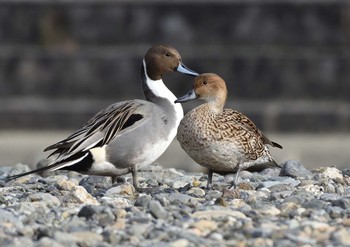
205 82
168 55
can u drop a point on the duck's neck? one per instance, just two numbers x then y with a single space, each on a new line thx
216 106
155 91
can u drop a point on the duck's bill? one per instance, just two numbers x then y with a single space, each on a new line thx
183 69
191 95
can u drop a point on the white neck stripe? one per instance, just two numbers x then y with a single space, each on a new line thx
158 87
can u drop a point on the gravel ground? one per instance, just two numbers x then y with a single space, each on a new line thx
291 206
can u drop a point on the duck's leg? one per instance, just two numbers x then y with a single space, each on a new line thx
136 183
134 178
235 182
210 179
114 179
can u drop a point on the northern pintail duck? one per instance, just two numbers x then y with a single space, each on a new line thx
223 140
127 135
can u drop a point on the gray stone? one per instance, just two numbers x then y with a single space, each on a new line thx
21 241
328 173
8 217
315 203
143 200
138 229
125 189
157 210
283 181
81 238
289 212
342 237
45 242
88 211
294 169
335 212
18 169
50 200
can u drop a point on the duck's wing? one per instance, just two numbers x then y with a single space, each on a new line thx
242 121
101 129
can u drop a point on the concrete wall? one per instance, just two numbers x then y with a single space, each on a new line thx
286 62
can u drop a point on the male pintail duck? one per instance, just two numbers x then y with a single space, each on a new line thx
223 140
127 135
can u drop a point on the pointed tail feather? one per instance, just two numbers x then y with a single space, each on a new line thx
56 165
51 167
276 145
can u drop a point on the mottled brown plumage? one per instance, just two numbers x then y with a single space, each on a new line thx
223 140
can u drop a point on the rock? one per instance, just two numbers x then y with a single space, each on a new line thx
342 202
180 243
196 182
157 210
196 192
67 185
319 226
245 186
88 211
294 169
117 202
341 237
288 208
270 173
78 238
179 184
214 214
267 209
143 200
78 194
21 241
125 189
286 181
205 226
138 230
18 169
50 200
315 203
238 204
7 217
178 198
335 212
328 172
45 242
261 242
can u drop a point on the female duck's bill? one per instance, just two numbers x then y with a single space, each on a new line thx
191 95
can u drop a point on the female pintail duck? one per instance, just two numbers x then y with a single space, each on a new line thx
223 140
127 135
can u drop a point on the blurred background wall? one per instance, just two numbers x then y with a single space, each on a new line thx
286 63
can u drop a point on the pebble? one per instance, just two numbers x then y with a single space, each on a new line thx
342 237
180 243
285 181
78 195
294 169
275 207
125 189
328 172
157 210
213 214
205 226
